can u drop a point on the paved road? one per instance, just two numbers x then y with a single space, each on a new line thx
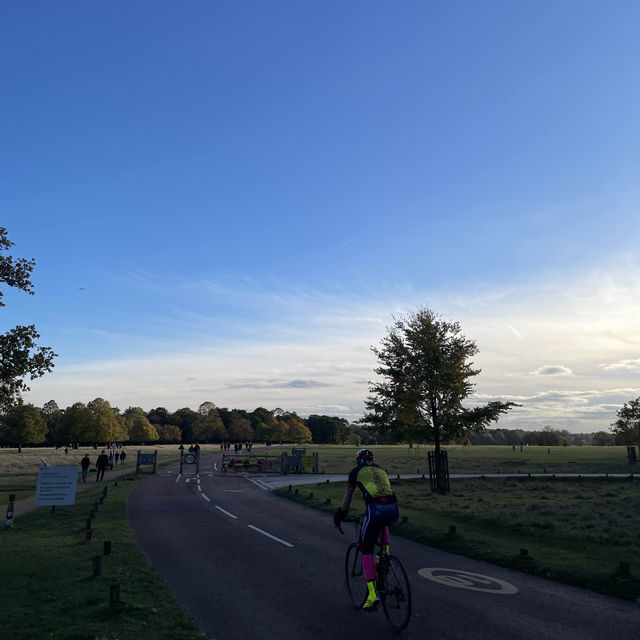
245 563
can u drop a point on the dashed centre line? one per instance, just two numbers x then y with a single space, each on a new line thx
231 515
226 513
264 533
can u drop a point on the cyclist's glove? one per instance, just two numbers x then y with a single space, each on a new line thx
338 517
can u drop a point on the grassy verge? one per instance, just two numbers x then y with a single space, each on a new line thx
574 531
484 459
48 589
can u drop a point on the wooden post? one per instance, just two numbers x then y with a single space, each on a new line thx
10 510
97 566
114 596
106 551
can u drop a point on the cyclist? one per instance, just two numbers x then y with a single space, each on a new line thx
381 512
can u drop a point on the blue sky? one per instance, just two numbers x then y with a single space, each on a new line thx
230 201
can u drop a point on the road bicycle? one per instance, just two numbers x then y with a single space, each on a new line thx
392 583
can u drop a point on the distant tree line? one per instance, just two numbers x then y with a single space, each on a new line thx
548 437
99 422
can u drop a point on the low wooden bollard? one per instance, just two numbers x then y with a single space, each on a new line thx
88 524
328 501
624 569
524 553
106 549
452 530
89 534
97 566
10 510
405 518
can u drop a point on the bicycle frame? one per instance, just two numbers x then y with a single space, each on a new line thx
392 583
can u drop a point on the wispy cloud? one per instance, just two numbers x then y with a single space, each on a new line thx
278 384
243 344
552 370
624 365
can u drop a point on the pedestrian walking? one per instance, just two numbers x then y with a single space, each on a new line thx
101 465
85 463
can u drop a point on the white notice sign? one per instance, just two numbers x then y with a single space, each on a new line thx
57 485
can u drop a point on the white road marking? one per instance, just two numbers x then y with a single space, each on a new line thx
226 512
199 487
264 533
205 497
178 478
258 483
468 580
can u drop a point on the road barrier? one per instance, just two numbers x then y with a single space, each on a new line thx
295 462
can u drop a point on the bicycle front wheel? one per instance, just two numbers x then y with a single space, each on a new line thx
356 582
396 595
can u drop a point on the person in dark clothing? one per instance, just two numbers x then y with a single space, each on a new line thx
101 464
85 463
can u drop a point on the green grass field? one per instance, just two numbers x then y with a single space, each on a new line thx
48 589
576 531
483 459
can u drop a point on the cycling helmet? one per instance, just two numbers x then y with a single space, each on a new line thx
364 455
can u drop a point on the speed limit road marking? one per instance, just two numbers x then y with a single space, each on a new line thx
468 580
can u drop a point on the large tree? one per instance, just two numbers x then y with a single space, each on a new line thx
139 428
20 356
328 429
426 374
297 431
102 424
24 424
627 427
208 427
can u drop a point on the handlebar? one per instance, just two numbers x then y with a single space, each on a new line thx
357 519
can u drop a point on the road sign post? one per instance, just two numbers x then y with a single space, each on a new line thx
57 485
146 459
191 457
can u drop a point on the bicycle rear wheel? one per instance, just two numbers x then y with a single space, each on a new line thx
356 582
396 594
